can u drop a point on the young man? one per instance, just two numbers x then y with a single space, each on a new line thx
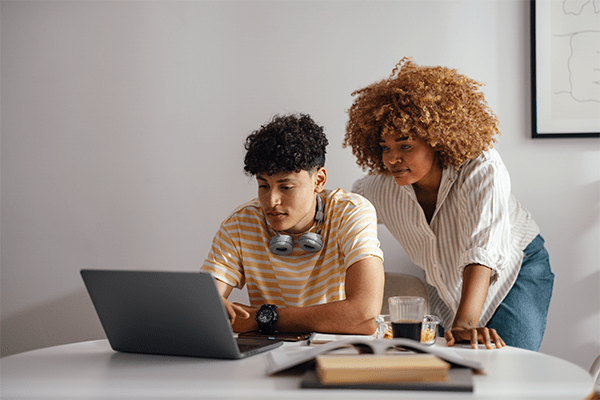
309 257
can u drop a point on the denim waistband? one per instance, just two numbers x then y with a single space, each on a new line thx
536 244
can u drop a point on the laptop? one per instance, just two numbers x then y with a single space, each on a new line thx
170 313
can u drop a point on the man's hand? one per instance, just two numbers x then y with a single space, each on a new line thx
248 323
474 336
235 310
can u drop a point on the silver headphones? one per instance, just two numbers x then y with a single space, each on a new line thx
282 245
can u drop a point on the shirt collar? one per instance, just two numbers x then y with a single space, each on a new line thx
449 176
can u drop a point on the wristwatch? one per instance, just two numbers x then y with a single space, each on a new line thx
266 317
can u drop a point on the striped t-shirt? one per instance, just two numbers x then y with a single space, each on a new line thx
476 221
240 253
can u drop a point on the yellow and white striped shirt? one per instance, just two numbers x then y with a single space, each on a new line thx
240 253
476 221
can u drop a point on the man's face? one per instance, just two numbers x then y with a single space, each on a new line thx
288 199
409 160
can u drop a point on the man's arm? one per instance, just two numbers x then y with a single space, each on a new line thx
353 315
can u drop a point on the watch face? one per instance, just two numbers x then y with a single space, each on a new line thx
265 316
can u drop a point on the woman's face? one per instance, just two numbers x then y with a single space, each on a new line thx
410 161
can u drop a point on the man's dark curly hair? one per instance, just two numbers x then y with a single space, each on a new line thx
436 104
289 143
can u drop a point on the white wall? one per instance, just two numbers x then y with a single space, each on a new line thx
123 123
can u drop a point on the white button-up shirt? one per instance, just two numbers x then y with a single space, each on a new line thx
476 221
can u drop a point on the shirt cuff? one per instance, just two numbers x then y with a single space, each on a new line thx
234 279
479 256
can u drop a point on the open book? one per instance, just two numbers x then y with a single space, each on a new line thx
278 361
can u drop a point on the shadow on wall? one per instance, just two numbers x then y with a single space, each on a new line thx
578 295
66 320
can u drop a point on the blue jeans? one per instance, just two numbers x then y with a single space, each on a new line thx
520 319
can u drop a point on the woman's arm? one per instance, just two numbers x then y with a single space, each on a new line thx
476 282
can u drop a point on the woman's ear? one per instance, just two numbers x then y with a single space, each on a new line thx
320 178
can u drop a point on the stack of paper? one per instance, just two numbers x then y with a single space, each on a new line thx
282 360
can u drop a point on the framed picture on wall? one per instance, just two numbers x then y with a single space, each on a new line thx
565 69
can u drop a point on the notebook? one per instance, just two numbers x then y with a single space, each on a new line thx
170 313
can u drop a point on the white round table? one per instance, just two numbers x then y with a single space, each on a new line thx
92 370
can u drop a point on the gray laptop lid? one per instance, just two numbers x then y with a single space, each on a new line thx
159 312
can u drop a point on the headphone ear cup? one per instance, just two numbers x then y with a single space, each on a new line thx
311 242
282 245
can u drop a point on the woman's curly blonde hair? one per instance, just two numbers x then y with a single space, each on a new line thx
436 104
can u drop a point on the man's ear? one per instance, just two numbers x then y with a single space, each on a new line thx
320 178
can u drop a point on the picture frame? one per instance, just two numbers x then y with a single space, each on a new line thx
565 69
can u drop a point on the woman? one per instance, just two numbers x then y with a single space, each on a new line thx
425 135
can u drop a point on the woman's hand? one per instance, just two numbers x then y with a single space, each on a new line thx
476 281
474 336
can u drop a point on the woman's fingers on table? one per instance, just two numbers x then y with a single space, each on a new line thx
487 340
449 338
474 336
497 339
474 341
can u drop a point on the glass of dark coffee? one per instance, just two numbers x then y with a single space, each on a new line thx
406 315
